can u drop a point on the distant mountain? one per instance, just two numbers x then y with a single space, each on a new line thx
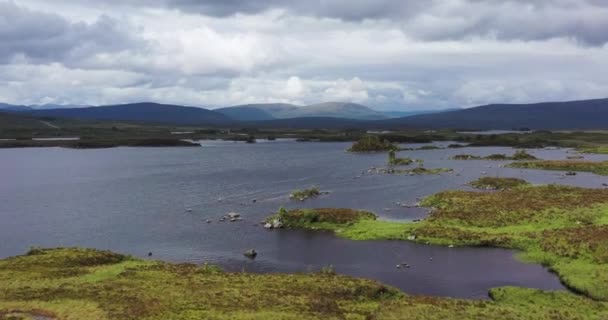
308 123
140 112
254 112
583 114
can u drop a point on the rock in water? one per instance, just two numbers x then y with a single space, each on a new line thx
276 223
268 225
251 253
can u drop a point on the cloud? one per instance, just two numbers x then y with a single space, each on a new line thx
386 54
45 37
583 20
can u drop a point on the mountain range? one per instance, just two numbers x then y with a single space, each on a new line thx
582 114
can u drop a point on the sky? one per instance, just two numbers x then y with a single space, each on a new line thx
387 54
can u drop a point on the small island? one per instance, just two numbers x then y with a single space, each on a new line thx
519 155
304 194
320 218
393 160
372 143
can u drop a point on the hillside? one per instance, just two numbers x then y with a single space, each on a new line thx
140 112
583 114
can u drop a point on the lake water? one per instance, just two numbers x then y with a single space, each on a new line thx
135 200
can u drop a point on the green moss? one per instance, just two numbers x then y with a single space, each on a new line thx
496 183
600 168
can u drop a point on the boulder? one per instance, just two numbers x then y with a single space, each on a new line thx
268 225
276 223
251 253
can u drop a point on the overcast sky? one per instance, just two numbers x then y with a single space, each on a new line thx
388 54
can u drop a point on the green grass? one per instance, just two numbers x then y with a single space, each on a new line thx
600 168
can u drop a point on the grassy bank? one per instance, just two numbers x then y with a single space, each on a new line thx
87 284
565 165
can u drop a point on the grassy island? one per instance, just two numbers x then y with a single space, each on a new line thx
519 155
87 284
495 183
393 160
413 171
372 143
305 194
320 218
600 168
